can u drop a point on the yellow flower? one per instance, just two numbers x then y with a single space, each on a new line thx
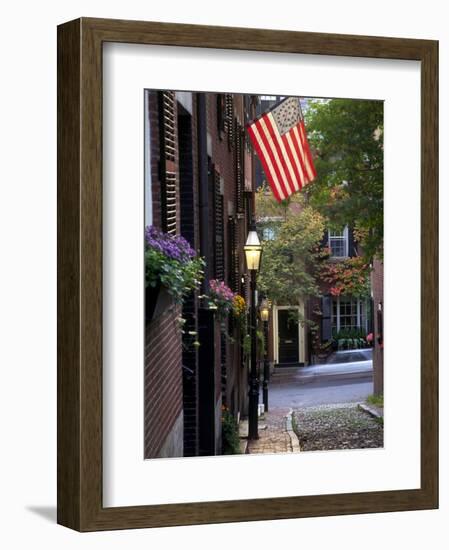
239 305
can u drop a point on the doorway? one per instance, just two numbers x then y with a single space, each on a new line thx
288 337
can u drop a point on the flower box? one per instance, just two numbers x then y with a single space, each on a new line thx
157 301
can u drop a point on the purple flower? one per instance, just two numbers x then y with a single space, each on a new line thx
221 291
174 247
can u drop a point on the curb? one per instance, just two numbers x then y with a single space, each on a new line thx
372 412
243 446
296 448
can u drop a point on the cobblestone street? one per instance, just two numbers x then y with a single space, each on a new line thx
337 426
326 427
299 394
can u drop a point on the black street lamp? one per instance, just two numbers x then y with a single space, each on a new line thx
265 315
253 251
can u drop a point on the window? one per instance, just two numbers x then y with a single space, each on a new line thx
338 242
348 314
268 234
221 115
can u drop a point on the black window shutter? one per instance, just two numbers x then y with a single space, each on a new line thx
219 229
239 168
230 122
233 257
221 115
325 239
351 243
326 320
167 132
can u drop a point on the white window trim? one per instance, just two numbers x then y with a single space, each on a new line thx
360 303
345 239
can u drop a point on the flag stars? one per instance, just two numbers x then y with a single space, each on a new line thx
287 114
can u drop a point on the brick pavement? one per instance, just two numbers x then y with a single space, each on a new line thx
276 436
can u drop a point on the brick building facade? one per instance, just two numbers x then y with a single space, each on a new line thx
330 315
377 284
198 184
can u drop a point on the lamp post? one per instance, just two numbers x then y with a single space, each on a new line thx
265 315
253 251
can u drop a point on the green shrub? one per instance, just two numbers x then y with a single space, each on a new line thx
229 433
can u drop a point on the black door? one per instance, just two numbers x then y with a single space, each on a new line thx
288 337
206 383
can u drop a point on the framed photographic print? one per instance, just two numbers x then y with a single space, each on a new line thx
247 289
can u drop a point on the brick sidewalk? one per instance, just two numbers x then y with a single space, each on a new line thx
275 437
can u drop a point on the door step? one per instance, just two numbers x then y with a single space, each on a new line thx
288 365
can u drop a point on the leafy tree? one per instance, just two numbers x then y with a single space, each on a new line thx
348 277
347 139
268 208
289 260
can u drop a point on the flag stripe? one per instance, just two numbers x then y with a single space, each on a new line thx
303 153
292 162
280 140
296 162
300 153
275 163
271 145
271 162
266 163
304 148
282 152
307 149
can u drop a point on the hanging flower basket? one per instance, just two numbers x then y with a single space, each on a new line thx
172 271
220 298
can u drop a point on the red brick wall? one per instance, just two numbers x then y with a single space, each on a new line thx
224 160
377 281
163 352
163 380
168 392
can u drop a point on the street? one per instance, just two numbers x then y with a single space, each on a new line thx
300 392
336 382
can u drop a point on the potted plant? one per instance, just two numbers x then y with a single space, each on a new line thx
221 298
172 270
239 311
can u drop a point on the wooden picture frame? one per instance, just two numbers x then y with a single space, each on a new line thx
80 504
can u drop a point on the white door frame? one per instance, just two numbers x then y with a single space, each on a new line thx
301 333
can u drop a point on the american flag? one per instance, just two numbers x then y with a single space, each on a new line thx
280 140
